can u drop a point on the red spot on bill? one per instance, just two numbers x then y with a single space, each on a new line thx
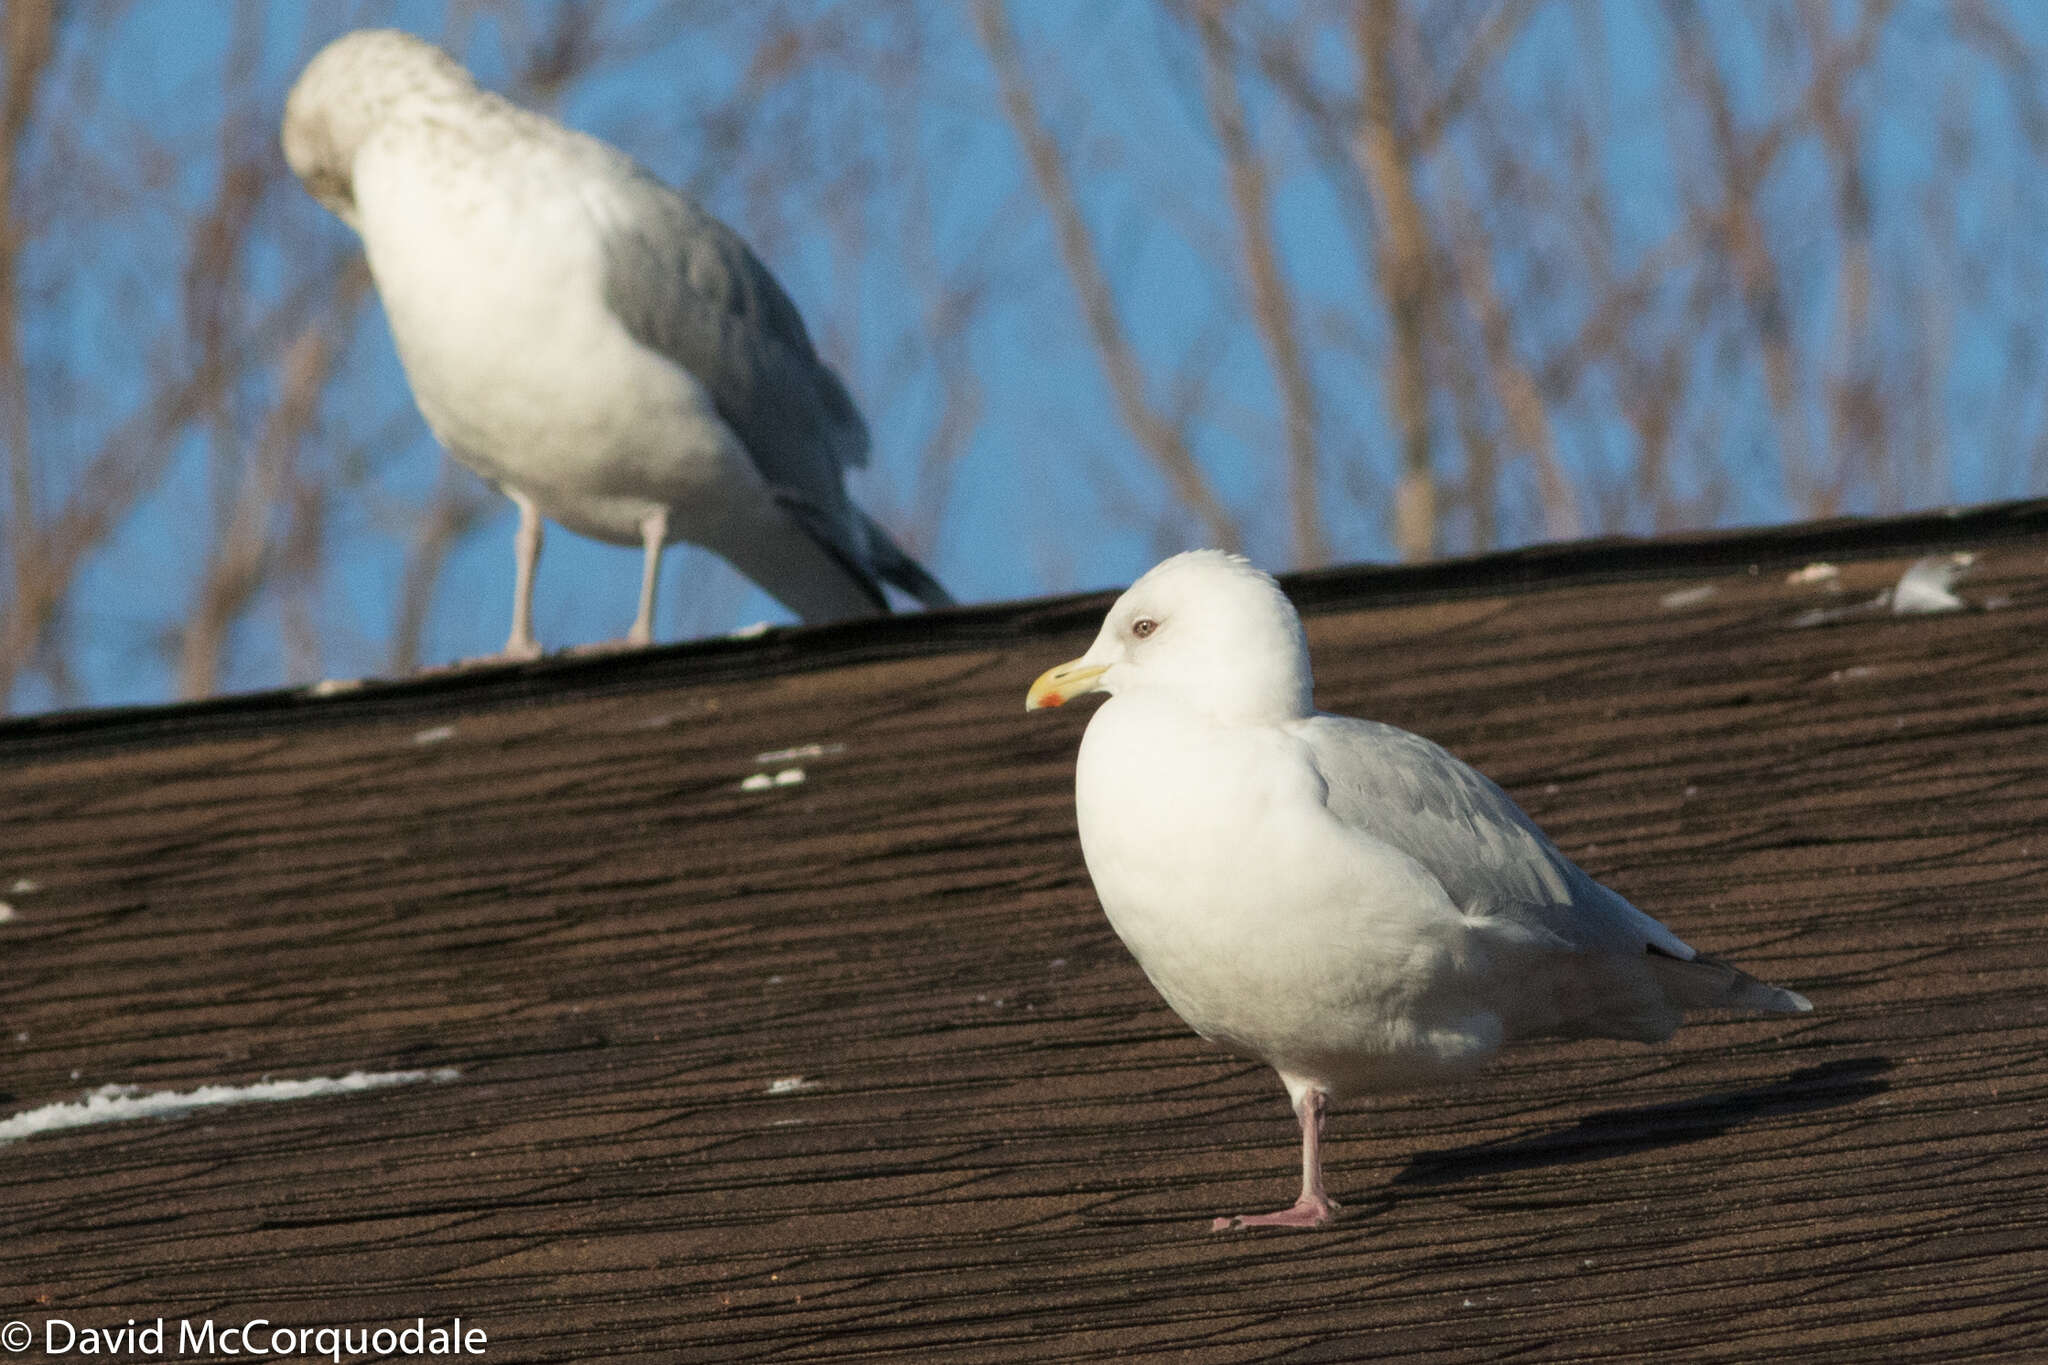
1051 699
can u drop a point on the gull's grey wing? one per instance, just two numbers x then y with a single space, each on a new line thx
1487 854
684 284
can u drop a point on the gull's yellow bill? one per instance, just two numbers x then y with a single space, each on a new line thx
1061 684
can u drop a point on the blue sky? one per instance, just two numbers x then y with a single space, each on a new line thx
864 200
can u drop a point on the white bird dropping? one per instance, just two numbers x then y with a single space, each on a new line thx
595 345
1339 899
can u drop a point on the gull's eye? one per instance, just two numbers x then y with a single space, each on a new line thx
1143 626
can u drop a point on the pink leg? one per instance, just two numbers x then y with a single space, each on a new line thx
653 536
1314 1208
526 546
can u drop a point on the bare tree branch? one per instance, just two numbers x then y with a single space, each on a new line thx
1856 409
458 507
1388 161
1166 444
27 40
1740 223
1272 304
243 552
126 465
1481 492
1503 24
1514 386
1743 164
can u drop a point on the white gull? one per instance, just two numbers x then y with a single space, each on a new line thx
1338 898
594 344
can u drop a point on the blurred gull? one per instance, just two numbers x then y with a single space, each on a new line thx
1340 899
1927 587
597 346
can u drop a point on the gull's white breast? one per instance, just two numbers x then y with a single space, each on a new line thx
487 252
1268 925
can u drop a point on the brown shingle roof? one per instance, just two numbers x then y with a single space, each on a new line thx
1004 1147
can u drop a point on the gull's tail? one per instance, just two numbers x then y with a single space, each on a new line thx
852 584
1706 983
893 564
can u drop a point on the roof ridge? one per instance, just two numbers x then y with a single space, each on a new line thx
784 650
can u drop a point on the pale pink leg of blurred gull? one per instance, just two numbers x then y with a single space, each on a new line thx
653 535
653 538
526 546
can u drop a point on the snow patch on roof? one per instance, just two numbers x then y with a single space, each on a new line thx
799 751
122 1103
1680 598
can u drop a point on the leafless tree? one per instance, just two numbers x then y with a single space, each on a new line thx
1315 279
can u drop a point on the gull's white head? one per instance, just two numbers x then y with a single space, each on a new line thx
1204 629
347 90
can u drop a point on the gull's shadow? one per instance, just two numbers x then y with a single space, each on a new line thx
1614 1132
